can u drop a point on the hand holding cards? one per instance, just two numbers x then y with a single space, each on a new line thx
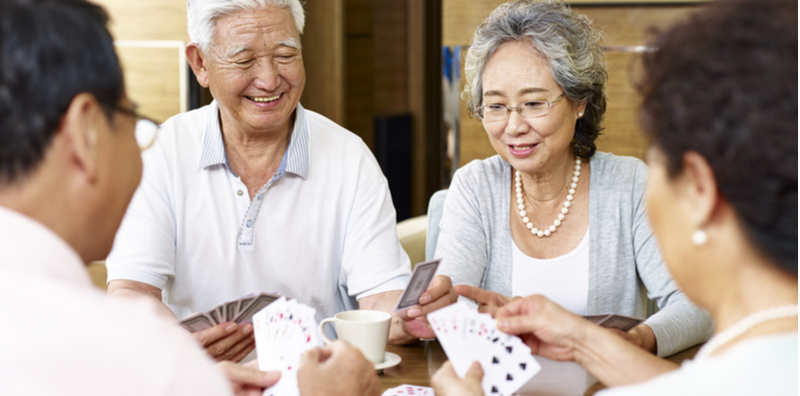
420 279
467 336
283 331
238 311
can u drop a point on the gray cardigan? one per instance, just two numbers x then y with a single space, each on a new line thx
625 264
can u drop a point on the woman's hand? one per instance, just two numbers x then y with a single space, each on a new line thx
445 381
247 379
488 301
549 330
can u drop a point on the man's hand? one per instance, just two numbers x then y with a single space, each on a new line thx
440 293
445 381
248 380
338 369
227 341
488 301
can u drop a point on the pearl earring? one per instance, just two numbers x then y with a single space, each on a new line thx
580 115
699 238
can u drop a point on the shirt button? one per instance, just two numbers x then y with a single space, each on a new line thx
249 223
240 192
260 196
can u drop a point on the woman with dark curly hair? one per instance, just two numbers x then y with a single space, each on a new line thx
550 215
720 106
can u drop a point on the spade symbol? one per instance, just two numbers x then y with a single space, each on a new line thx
495 339
509 377
509 349
495 361
523 365
494 389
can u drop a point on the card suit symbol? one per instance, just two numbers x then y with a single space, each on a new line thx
509 377
496 339
509 349
524 365
494 389
495 360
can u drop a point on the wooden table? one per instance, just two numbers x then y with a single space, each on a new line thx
422 359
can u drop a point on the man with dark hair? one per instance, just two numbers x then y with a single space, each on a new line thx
69 165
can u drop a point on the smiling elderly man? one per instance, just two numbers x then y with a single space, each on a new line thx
255 193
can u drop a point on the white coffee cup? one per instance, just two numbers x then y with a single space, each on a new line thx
364 329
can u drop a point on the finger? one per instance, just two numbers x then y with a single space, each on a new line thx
443 301
521 306
251 376
213 334
310 357
475 372
440 286
242 350
476 294
519 324
221 347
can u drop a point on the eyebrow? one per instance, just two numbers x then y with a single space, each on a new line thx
236 51
291 43
521 92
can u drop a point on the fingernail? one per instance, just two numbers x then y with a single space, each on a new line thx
231 328
413 312
248 328
502 325
425 299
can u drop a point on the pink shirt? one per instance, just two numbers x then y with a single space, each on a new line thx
63 336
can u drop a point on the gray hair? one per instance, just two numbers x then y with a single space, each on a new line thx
203 15
565 41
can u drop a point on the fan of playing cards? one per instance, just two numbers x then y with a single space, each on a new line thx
239 311
409 390
283 331
469 336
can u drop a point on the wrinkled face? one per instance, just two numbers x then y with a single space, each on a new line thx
255 70
516 74
670 218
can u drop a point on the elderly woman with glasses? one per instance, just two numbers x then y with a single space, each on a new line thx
549 214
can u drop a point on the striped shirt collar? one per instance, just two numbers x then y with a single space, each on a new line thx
212 151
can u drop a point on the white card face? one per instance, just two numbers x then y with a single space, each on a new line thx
467 336
284 330
420 279
409 390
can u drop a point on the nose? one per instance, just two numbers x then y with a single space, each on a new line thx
516 125
267 75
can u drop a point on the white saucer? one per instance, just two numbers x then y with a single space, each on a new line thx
389 360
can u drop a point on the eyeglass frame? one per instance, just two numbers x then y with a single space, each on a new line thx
518 108
138 117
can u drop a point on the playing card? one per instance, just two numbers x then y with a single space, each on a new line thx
283 331
409 390
596 319
258 303
467 336
620 322
420 279
197 322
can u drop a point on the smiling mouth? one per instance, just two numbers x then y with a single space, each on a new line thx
520 148
264 99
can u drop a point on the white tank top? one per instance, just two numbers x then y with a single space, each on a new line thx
564 279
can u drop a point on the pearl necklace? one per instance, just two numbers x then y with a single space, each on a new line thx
743 325
567 203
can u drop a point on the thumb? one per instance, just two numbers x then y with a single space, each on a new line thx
475 372
247 375
310 356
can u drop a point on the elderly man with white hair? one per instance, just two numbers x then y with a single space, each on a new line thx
254 193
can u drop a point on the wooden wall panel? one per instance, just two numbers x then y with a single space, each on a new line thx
152 78
622 25
147 19
323 56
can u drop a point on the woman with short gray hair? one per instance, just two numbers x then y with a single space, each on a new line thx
549 214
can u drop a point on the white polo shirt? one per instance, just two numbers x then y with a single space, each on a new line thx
66 337
322 230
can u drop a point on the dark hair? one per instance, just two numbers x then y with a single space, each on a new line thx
50 51
724 84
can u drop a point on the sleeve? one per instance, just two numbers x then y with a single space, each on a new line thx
144 247
373 261
679 324
462 242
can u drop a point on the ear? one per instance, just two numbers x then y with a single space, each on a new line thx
80 128
702 188
197 61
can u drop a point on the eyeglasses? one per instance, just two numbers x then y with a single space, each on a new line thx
146 128
532 109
